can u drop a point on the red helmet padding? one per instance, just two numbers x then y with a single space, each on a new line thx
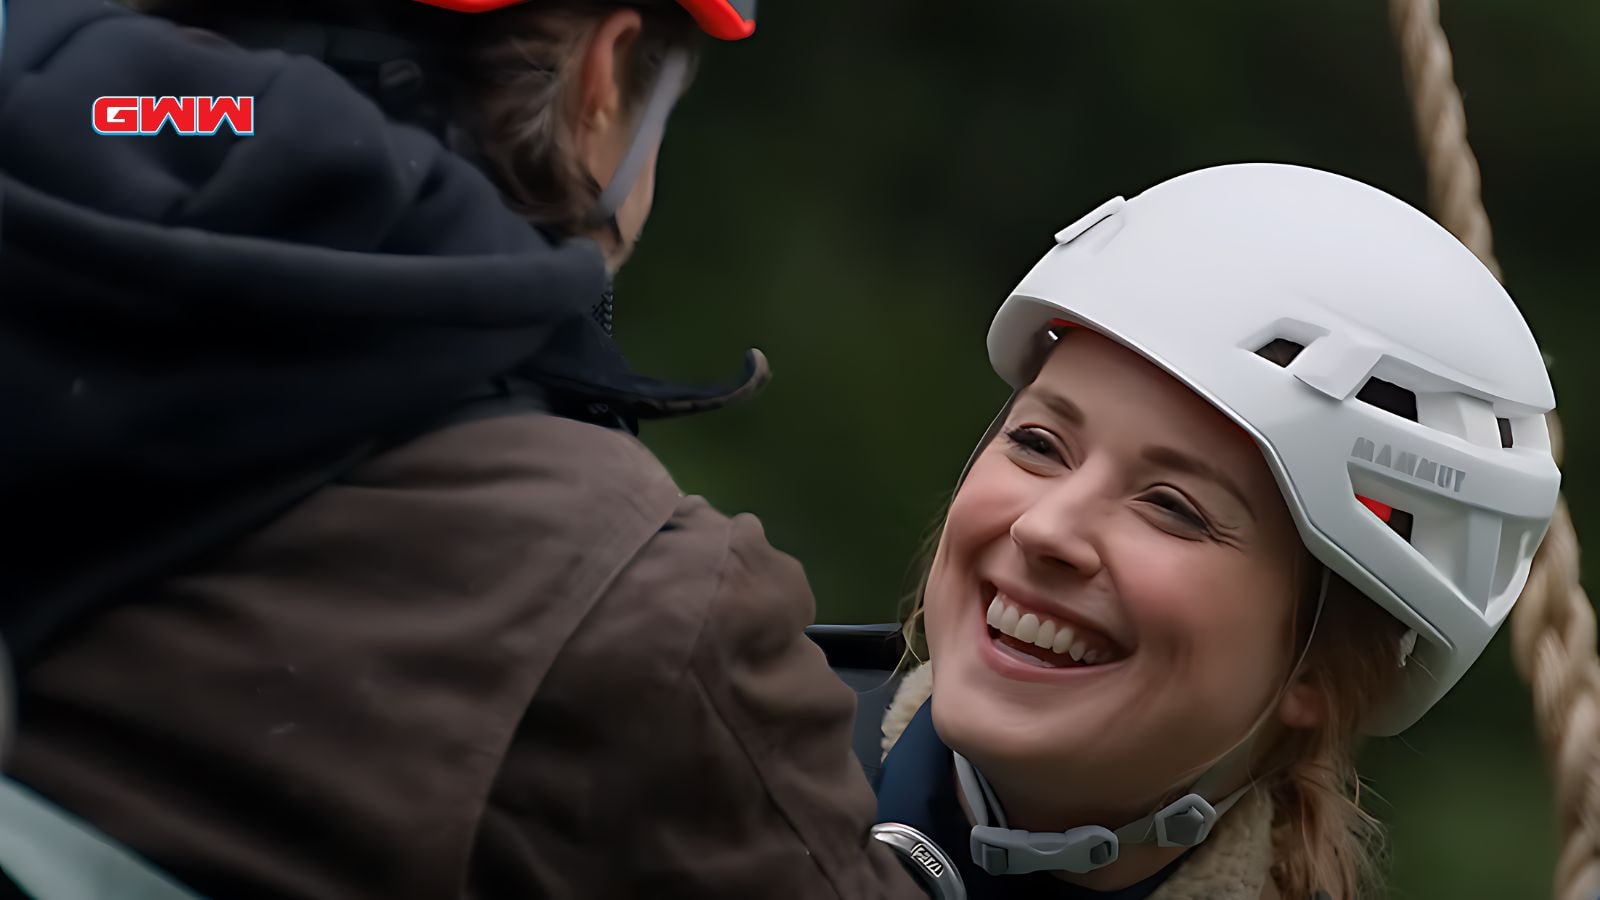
1382 510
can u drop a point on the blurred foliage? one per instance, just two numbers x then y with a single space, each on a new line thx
857 189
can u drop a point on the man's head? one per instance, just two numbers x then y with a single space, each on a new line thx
549 97
552 99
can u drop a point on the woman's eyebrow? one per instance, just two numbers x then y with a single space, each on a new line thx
1178 461
1061 406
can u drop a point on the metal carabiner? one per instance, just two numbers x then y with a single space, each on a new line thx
927 860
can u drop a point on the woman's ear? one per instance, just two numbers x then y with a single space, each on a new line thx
1304 704
601 70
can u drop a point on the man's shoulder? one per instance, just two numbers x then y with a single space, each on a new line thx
536 460
592 486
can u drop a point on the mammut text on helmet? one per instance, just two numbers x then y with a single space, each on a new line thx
1418 467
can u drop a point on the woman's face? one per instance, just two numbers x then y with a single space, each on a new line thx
1126 524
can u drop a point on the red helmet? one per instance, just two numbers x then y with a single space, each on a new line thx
729 20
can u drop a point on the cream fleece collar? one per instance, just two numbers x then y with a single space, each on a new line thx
1234 863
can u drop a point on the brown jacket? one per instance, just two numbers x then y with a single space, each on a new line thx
507 659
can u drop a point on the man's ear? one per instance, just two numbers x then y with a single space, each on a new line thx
601 71
1304 704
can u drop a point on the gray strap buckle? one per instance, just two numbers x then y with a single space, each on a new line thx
1185 822
1012 851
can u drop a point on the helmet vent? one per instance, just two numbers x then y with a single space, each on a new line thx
1281 351
1400 521
1389 397
1505 433
1398 401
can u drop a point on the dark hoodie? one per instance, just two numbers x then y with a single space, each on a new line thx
293 626
196 330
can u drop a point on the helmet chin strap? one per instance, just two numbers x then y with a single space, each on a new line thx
1185 822
646 138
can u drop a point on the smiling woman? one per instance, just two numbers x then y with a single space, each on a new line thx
1125 574
1169 595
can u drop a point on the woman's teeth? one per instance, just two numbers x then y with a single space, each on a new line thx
1047 633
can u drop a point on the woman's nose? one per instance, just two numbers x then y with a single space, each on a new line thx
1057 529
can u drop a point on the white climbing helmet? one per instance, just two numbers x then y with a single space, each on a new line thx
1200 272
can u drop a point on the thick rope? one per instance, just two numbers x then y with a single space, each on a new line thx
1553 623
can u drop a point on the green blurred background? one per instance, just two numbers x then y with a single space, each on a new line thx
858 188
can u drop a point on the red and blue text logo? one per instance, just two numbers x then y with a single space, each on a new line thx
147 116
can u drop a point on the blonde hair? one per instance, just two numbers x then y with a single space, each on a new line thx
1323 838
